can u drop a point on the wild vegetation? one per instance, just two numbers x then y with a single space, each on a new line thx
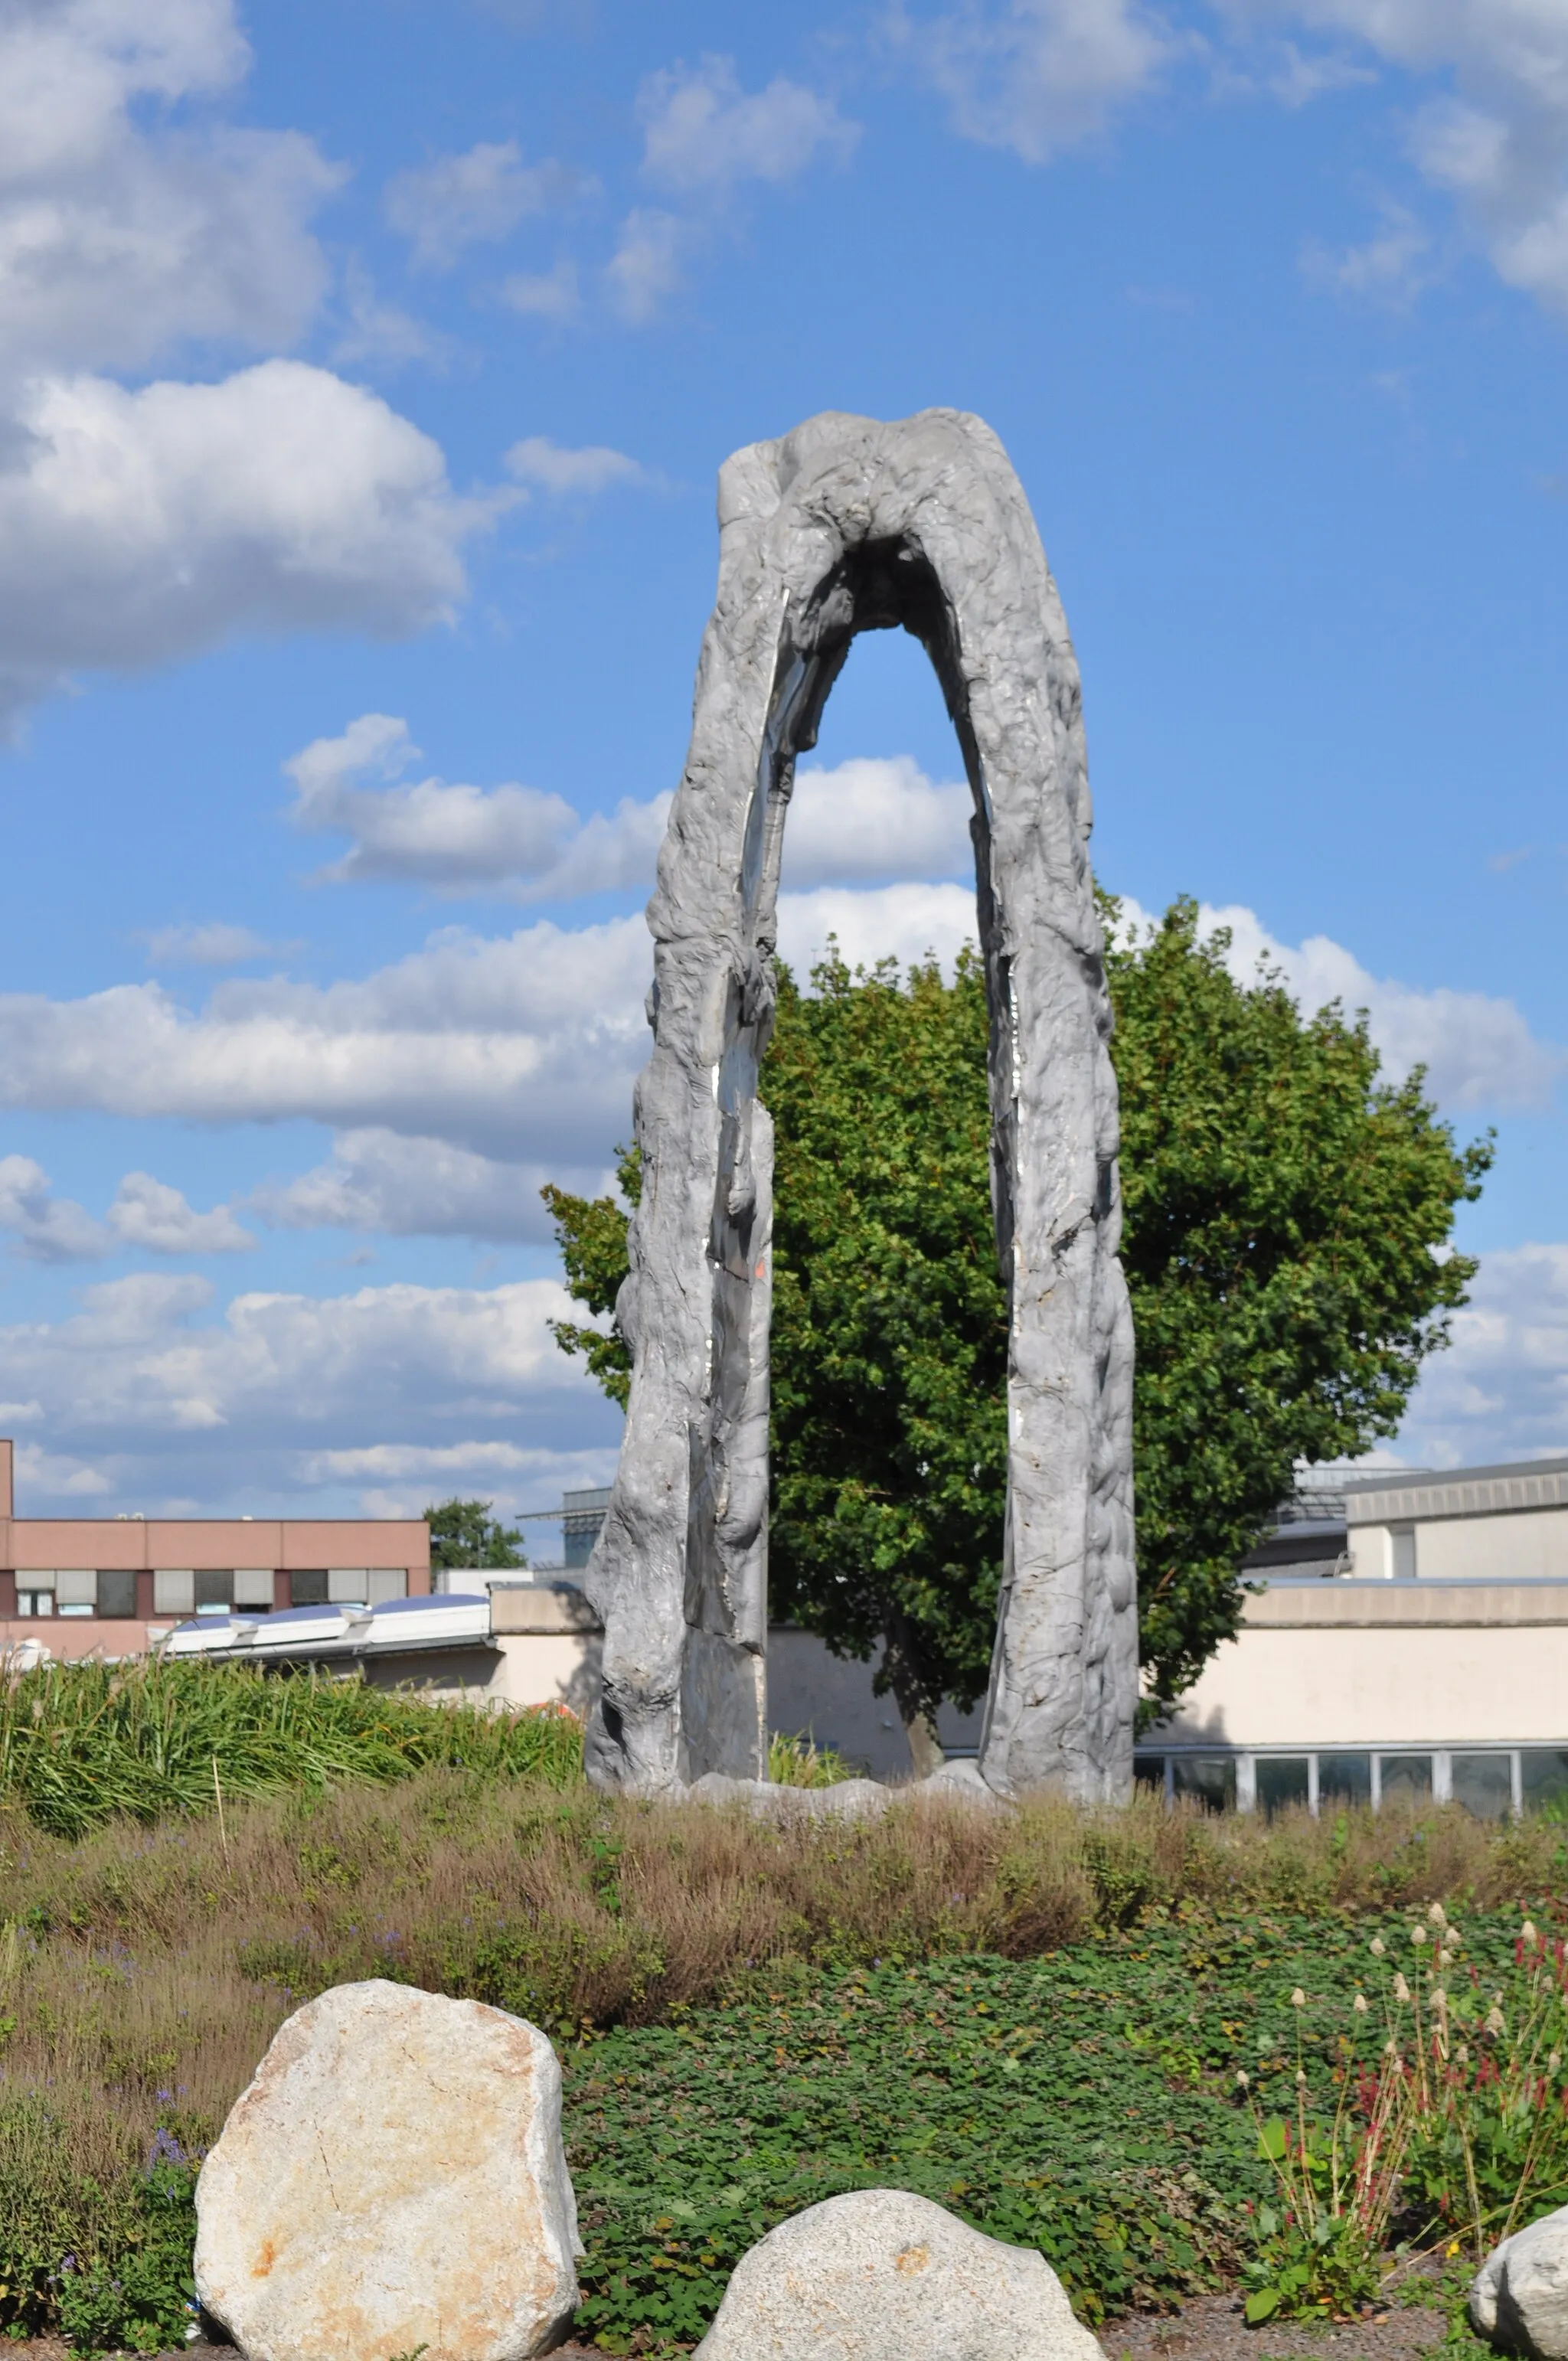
1037 2017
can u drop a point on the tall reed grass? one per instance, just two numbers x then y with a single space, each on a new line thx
82 1744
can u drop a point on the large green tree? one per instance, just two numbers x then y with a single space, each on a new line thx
1287 1218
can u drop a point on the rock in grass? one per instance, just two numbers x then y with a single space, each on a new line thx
1520 2297
393 2179
883 2275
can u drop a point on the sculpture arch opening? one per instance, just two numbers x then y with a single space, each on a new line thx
849 525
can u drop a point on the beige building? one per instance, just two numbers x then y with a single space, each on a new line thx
1412 1640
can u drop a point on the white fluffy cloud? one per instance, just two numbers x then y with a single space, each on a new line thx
150 1398
1036 76
1496 137
647 267
145 1215
593 468
456 201
209 943
1501 1390
388 1183
703 133
122 226
872 819
138 527
1477 1049
522 1048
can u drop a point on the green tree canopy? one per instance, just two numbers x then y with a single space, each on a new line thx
1288 1219
463 1532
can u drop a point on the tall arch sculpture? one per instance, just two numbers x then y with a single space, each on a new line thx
847 525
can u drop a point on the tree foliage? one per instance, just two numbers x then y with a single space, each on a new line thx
1288 1217
463 1532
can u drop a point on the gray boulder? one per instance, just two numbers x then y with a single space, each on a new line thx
393 2179
1519 2297
883 2275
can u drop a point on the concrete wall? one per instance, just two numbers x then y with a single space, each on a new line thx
1527 1545
1356 1664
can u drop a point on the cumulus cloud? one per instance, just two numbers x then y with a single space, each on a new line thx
703 133
138 527
875 817
1390 268
902 922
1496 135
1036 76
1501 1390
399 1187
521 842
522 1048
559 471
124 227
154 1396
47 1228
146 1213
1477 1048
208 943
150 1214
456 201
646 267
552 294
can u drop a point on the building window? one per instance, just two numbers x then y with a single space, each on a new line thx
76 1592
1208 1779
308 1589
1404 1540
214 1592
253 1589
1344 1779
1484 1783
116 1593
35 1594
1404 1778
1283 1781
1148 1773
1543 1779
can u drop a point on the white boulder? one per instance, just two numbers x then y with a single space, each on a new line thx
1520 2297
881 2276
392 2179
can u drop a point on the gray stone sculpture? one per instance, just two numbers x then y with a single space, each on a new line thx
848 525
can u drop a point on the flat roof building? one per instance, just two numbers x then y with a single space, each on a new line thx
78 1585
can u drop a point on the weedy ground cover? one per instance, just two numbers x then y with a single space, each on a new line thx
1038 2018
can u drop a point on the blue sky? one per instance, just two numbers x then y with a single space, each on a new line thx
364 367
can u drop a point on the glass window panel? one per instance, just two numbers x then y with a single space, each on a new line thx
386 1582
253 1589
1148 1771
1344 1779
349 1585
33 1602
1406 1778
77 1589
117 1593
1208 1779
1281 1782
1404 1553
214 1592
1543 1778
308 1588
1484 1783
173 1591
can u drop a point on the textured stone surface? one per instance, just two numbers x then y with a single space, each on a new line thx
881 2276
847 525
1519 2298
392 2177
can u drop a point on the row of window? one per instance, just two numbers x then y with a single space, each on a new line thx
1491 1781
250 1590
